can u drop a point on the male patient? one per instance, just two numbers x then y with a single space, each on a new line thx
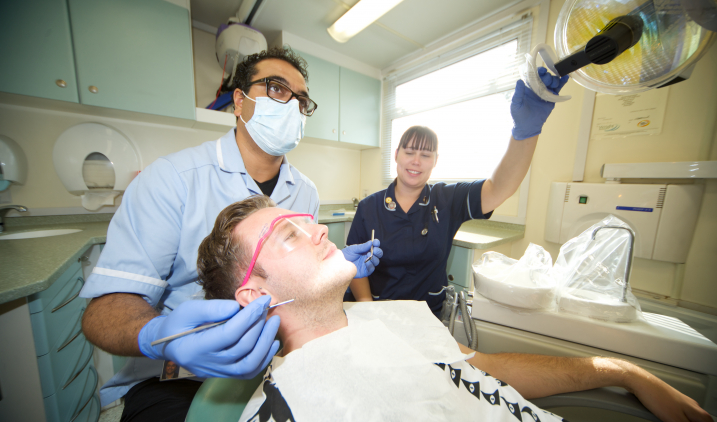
381 360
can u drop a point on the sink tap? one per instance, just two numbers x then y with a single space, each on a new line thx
629 256
4 210
355 201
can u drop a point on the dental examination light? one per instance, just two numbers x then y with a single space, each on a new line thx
361 15
625 46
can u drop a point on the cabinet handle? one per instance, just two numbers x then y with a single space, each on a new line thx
333 131
77 334
93 89
343 133
92 396
60 306
61 83
450 277
82 367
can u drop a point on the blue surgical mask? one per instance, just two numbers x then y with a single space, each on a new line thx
275 127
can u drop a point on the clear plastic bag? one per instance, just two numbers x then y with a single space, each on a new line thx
520 283
591 272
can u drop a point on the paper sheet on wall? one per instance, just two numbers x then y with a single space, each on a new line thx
627 115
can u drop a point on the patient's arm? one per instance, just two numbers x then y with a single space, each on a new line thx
361 289
536 376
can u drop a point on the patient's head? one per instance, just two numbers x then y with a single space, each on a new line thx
296 260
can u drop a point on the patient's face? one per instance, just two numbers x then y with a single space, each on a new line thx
309 269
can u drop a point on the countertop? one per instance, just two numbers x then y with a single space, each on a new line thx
473 234
29 266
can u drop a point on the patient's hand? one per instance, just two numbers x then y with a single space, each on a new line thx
661 399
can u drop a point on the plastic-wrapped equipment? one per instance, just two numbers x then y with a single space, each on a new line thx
592 273
524 283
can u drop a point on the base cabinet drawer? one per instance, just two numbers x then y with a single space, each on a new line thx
67 404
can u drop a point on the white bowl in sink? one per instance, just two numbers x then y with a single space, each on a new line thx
522 289
37 233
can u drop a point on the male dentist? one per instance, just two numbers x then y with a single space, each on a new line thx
148 267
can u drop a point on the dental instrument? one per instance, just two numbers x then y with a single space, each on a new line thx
204 327
372 237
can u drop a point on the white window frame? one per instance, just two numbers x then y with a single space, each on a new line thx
429 60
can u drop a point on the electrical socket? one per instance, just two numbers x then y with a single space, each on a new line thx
365 193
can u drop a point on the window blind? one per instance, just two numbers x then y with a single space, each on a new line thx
463 95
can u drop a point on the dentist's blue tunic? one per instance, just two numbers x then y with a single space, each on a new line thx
413 265
166 212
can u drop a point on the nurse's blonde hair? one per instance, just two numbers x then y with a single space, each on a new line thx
420 138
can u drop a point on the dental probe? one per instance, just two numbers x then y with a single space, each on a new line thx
370 256
204 327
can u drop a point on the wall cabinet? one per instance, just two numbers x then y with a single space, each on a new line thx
349 104
130 55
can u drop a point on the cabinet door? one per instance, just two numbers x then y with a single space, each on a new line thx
137 53
337 234
36 49
324 90
360 108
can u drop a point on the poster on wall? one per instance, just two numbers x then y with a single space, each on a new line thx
628 115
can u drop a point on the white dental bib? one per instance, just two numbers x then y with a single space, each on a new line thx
394 362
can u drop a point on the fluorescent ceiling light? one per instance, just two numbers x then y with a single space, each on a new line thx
363 14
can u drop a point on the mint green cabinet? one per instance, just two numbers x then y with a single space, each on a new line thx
324 90
349 104
36 50
359 108
136 53
130 55
459 268
337 234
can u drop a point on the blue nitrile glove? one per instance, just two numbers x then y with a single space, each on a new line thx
357 254
530 111
239 348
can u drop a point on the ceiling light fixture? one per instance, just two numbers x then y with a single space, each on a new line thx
361 15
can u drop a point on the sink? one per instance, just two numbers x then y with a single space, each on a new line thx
595 305
38 233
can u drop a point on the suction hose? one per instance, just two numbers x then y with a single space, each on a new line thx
468 324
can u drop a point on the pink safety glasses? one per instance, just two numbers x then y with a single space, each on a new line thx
289 239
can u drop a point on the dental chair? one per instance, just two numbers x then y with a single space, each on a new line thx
224 399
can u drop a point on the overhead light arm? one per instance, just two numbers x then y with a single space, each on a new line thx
361 15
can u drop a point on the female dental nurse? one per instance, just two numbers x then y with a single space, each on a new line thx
416 222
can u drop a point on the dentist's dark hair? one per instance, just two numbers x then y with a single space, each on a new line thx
246 70
420 138
223 258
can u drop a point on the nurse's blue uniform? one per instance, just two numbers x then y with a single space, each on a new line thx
413 265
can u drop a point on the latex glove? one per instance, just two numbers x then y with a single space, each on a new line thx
357 254
530 111
239 348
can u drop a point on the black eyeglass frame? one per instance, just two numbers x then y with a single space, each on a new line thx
299 97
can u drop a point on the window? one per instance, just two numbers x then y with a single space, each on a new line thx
464 96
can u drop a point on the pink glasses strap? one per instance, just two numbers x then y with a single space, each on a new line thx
263 238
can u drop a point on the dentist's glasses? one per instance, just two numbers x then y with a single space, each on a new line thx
284 234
